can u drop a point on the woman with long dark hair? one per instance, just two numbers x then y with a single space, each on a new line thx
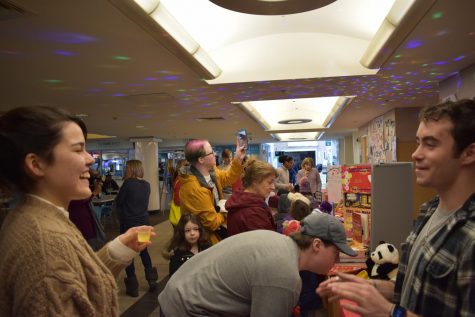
46 267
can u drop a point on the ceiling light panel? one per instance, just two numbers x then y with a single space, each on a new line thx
270 112
302 136
327 42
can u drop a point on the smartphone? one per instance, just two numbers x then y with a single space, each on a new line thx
242 138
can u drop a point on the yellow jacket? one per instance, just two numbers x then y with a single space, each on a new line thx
196 196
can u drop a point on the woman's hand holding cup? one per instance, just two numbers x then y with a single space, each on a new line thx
137 238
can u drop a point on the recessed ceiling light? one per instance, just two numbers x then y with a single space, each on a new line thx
295 121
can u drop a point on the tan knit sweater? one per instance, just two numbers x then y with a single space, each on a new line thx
48 269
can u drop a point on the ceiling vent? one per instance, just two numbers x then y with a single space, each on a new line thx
210 118
9 11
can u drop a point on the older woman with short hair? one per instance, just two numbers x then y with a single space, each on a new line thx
247 209
308 177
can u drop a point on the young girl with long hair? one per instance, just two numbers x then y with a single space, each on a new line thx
188 239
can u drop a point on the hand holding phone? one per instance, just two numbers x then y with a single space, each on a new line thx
242 138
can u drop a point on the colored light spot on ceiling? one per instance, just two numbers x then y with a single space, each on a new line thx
425 65
65 53
458 58
397 56
121 58
442 33
67 37
53 81
437 15
118 95
150 78
440 63
413 44
170 77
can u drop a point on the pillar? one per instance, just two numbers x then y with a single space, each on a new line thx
146 150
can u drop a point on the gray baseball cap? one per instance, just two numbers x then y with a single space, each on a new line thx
328 228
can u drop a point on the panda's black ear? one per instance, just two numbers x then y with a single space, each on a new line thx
390 248
381 242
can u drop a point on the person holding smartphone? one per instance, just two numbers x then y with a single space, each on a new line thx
202 185
242 138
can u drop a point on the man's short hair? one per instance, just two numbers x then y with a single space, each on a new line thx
194 149
462 115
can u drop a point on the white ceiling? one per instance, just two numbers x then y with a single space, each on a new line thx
62 52
327 42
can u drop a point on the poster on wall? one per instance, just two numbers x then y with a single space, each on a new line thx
376 146
389 140
356 179
334 184
356 189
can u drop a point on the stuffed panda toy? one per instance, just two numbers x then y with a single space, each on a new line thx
383 262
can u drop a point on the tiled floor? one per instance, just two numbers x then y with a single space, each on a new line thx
146 303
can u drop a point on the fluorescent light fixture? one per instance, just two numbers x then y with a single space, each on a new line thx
273 114
320 113
207 62
245 45
155 18
174 28
398 24
148 5
296 137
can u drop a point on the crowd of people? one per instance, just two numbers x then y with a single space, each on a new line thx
231 253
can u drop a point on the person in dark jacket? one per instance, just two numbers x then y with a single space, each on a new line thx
110 185
247 209
132 204
82 214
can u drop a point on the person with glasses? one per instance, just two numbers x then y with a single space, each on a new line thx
202 185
